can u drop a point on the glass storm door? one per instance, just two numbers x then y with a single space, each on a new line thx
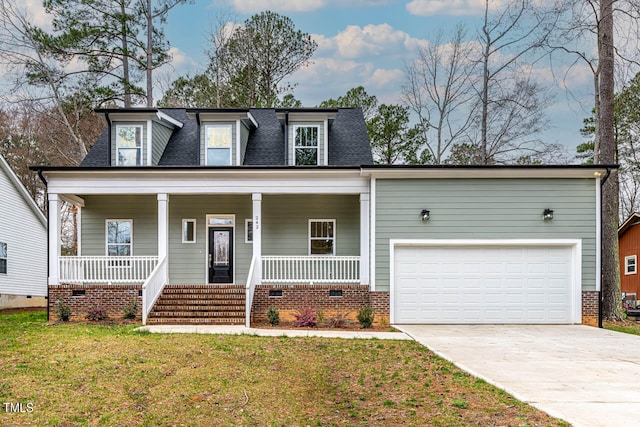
220 255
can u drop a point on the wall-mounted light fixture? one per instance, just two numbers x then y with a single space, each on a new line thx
425 215
547 215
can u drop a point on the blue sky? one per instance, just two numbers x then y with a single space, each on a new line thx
364 42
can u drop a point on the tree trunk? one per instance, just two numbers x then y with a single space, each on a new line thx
149 70
611 297
125 58
485 84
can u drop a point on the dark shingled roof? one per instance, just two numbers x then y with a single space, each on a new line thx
348 141
266 146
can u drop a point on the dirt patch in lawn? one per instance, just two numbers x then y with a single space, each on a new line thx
89 375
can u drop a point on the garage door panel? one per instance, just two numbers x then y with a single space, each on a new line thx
482 284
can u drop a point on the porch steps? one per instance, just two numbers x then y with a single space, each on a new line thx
199 304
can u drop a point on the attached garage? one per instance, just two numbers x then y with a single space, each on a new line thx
485 281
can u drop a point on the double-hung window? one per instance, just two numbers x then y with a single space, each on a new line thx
322 237
119 237
218 144
631 264
128 145
3 258
306 144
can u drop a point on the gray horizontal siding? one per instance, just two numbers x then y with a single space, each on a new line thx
160 137
188 261
143 210
485 209
285 222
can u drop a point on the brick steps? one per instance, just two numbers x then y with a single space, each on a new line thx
199 304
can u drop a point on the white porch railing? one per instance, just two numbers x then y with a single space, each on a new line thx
106 269
152 288
311 269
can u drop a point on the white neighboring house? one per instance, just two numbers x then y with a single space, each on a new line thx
23 245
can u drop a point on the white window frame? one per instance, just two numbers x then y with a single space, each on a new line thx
141 127
184 230
206 144
106 235
5 258
295 146
627 264
335 234
248 222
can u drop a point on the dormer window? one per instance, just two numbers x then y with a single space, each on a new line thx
129 145
306 142
218 144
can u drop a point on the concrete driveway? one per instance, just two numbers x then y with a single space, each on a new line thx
584 375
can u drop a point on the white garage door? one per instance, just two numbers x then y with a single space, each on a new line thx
482 284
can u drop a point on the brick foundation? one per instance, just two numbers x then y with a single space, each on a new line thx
111 298
590 308
292 298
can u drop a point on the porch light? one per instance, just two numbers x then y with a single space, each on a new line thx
425 215
547 215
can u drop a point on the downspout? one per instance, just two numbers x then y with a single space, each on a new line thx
44 181
200 150
602 181
286 137
106 116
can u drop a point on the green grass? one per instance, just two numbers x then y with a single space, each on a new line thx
92 375
628 327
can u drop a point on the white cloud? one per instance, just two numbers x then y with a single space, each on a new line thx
382 78
37 14
368 41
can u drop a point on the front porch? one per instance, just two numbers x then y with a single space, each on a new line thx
270 240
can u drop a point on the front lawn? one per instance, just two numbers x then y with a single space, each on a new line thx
626 326
91 375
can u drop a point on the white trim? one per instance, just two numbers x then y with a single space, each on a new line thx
293 141
627 265
372 235
53 236
5 258
149 143
576 260
237 143
106 234
335 235
206 146
483 173
364 237
246 230
218 181
206 251
256 214
72 200
598 230
325 142
79 231
166 118
253 120
195 229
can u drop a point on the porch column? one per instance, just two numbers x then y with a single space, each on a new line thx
257 237
364 239
163 226
54 238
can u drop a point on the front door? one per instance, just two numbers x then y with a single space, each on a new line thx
220 255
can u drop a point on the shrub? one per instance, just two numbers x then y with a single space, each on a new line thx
306 317
273 315
366 316
131 310
97 314
339 321
62 311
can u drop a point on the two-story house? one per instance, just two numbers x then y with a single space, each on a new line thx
214 215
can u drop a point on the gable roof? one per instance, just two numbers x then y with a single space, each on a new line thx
266 145
13 178
633 219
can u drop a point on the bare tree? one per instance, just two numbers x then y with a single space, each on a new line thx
511 111
438 90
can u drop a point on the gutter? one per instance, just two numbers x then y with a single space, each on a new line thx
46 192
106 116
286 137
602 182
